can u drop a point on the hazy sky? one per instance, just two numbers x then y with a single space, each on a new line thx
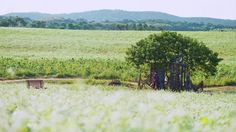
186 8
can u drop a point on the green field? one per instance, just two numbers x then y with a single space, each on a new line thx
26 53
81 107
77 105
47 43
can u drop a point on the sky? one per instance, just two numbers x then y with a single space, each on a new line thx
225 9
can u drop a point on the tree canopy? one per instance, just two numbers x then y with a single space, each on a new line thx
160 49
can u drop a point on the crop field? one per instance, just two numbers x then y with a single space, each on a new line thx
26 53
51 43
81 107
88 104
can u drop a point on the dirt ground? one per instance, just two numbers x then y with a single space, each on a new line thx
230 89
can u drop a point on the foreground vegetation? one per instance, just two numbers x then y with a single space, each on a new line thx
80 107
96 54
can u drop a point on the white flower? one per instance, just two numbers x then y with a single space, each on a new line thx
112 98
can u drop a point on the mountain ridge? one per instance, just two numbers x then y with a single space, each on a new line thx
119 15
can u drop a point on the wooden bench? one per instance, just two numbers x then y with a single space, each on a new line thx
35 83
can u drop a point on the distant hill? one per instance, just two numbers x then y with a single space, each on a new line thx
119 15
31 15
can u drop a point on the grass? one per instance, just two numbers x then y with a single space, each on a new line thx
47 43
104 69
26 53
81 107
54 43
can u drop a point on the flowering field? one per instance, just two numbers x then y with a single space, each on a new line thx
81 107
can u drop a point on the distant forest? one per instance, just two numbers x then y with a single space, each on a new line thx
82 24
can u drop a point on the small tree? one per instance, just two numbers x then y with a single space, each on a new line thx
157 51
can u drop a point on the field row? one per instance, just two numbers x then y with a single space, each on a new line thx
13 68
98 69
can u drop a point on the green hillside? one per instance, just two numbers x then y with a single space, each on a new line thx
119 15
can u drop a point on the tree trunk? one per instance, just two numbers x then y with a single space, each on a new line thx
139 80
161 78
157 77
153 76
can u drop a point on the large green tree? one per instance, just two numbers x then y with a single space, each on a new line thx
157 50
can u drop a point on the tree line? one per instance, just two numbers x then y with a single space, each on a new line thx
82 24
